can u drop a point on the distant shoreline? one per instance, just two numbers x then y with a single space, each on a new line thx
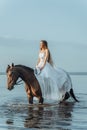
71 73
2 73
77 73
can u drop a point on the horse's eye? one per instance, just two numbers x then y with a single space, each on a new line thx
12 73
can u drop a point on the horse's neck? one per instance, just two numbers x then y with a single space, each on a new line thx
24 74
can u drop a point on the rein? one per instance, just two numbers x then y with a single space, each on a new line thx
19 82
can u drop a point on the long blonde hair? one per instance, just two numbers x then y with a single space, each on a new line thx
49 55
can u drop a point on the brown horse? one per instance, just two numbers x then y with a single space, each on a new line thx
32 87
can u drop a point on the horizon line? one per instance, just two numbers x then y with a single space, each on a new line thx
71 73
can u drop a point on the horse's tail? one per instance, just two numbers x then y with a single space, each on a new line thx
73 95
71 90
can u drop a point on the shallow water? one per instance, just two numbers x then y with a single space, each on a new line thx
17 114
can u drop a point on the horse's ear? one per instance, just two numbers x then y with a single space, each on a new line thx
12 65
8 67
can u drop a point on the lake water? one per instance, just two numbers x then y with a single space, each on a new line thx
17 114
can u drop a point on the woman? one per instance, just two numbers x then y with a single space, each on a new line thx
44 55
55 83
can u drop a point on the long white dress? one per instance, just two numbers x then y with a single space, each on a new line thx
54 82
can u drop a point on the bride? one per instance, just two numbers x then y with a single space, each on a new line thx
55 82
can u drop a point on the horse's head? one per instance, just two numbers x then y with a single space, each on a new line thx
12 76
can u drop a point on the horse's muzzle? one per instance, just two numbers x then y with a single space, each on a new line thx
10 87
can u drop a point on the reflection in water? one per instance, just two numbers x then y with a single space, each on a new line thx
53 117
47 116
34 118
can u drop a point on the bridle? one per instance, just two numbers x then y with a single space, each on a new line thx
18 82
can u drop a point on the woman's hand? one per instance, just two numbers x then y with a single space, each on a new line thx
42 68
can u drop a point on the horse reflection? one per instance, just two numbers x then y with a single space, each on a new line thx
50 116
65 110
35 116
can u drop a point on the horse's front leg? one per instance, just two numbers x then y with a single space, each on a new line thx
41 100
29 94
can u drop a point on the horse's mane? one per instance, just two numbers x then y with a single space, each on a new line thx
25 67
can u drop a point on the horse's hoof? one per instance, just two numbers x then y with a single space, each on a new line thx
30 102
40 103
60 102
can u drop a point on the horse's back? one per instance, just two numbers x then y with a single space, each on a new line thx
65 75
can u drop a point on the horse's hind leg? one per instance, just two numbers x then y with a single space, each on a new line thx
73 95
65 97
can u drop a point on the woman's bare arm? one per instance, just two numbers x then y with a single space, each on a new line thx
45 58
38 61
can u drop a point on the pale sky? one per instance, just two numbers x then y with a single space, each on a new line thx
58 21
